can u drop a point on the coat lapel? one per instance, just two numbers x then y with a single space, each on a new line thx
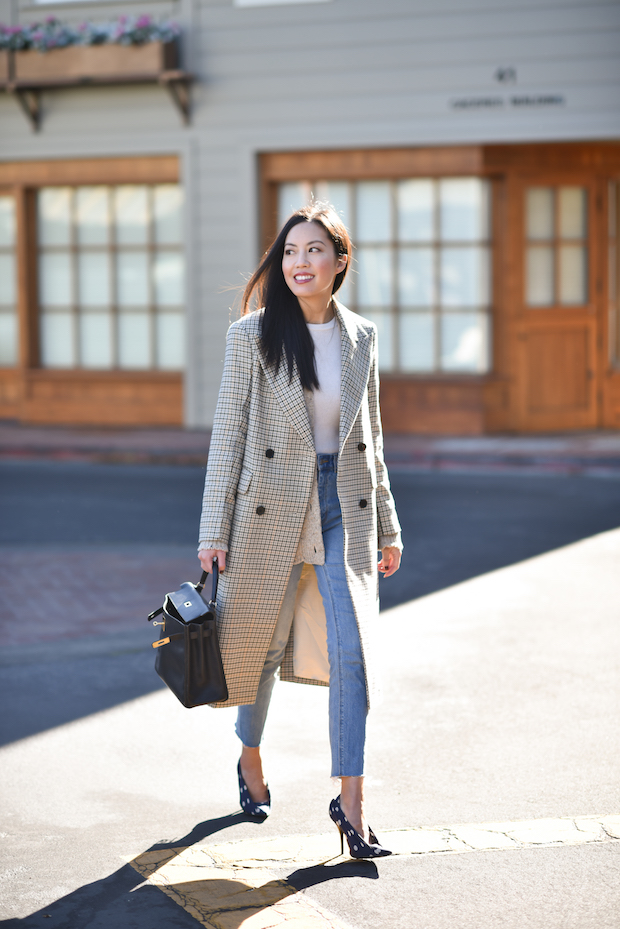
290 396
355 345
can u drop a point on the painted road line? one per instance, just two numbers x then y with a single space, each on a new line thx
234 884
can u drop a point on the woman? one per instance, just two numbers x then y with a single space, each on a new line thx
296 477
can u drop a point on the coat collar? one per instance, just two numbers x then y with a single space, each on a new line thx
355 347
290 396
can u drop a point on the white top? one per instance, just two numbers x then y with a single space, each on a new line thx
326 338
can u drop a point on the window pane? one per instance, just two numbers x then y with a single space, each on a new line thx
96 340
384 323
464 276
132 278
417 342
7 221
94 279
374 278
539 213
374 212
168 273
539 276
167 204
290 198
572 275
416 213
338 194
55 283
464 342
463 209
54 209
572 206
57 345
416 278
8 339
92 215
131 214
345 294
134 340
170 341
8 295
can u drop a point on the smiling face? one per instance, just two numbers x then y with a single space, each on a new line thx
310 264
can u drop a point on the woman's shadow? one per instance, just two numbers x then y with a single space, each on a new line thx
126 899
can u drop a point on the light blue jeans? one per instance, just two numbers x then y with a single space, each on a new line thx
347 685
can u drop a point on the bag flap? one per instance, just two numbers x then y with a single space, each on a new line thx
188 603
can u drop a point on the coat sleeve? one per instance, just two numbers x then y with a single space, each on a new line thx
227 448
388 524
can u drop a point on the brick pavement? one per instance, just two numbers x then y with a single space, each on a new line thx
593 453
53 594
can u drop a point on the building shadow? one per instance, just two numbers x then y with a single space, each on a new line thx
455 527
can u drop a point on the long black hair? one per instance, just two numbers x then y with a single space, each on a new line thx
284 331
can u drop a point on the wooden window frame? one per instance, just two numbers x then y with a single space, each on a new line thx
34 394
442 402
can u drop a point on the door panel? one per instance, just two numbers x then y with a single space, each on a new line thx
557 324
557 383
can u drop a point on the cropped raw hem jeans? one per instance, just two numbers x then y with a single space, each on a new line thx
347 685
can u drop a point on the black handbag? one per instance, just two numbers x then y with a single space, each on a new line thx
188 656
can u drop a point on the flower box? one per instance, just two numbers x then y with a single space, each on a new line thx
94 62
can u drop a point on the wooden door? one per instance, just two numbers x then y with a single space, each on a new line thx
558 318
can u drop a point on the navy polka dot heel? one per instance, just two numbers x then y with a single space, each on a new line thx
358 848
257 811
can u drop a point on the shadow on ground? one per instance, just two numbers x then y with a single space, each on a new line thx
455 526
125 900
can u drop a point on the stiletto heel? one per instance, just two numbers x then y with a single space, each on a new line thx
257 811
358 847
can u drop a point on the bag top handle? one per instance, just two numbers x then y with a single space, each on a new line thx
203 580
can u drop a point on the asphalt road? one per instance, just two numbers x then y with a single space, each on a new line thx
455 526
499 706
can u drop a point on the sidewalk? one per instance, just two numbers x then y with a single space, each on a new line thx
588 453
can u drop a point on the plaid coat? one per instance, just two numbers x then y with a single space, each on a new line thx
258 485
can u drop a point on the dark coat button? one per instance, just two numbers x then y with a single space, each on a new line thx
363 503
361 447
270 453
260 510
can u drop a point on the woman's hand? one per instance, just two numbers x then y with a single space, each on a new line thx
206 557
390 561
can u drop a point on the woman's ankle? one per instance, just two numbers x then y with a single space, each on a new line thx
252 772
352 803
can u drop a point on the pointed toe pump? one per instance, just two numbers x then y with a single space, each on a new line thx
257 811
358 847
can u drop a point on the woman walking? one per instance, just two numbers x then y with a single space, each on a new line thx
296 478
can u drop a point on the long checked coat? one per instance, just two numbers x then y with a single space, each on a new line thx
260 497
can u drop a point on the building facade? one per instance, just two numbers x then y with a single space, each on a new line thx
473 150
